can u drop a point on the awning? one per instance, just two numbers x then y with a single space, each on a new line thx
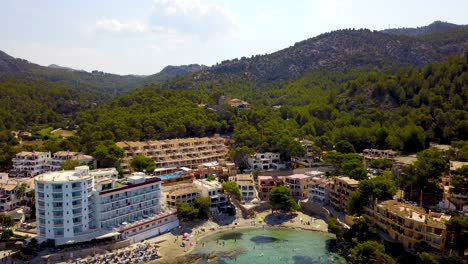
108 235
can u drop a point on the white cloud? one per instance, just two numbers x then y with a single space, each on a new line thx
204 19
116 26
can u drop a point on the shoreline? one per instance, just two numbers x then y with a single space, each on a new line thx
171 251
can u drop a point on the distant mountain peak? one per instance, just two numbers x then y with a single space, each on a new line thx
55 66
434 27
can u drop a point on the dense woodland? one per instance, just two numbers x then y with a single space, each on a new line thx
403 111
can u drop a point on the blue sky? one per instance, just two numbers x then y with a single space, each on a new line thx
143 36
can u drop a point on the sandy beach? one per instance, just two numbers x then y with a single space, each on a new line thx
170 244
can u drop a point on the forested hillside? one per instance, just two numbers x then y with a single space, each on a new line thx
402 111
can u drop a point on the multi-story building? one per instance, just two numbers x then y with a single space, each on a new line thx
246 186
172 153
339 191
265 161
298 184
30 164
317 188
265 184
61 156
214 191
80 205
8 198
184 192
408 224
370 154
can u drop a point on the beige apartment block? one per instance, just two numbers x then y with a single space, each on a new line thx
408 224
182 152
184 192
339 191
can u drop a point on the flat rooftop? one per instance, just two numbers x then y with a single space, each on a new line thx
415 213
455 165
61 176
348 180
299 176
406 159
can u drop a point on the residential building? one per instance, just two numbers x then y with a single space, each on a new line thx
61 156
401 161
237 103
310 156
265 161
214 191
30 164
408 224
9 197
317 188
246 185
339 190
184 192
298 184
265 184
370 154
80 205
172 153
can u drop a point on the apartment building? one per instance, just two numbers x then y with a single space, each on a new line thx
265 161
185 192
173 153
246 185
339 190
370 154
298 184
265 184
214 191
9 197
318 188
80 205
30 164
408 224
61 156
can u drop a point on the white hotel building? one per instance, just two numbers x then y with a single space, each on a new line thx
81 205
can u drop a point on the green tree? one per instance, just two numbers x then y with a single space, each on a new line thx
381 164
108 153
186 212
280 198
69 164
232 189
360 232
344 146
143 163
458 227
6 234
203 205
370 252
240 156
426 258
6 220
22 190
336 227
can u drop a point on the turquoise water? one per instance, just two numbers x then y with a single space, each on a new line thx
270 245
170 176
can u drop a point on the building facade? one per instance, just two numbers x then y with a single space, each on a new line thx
214 191
408 224
339 190
246 185
173 153
310 156
80 205
61 156
298 184
265 161
30 164
184 192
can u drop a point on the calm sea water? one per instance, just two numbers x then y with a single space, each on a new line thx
270 245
